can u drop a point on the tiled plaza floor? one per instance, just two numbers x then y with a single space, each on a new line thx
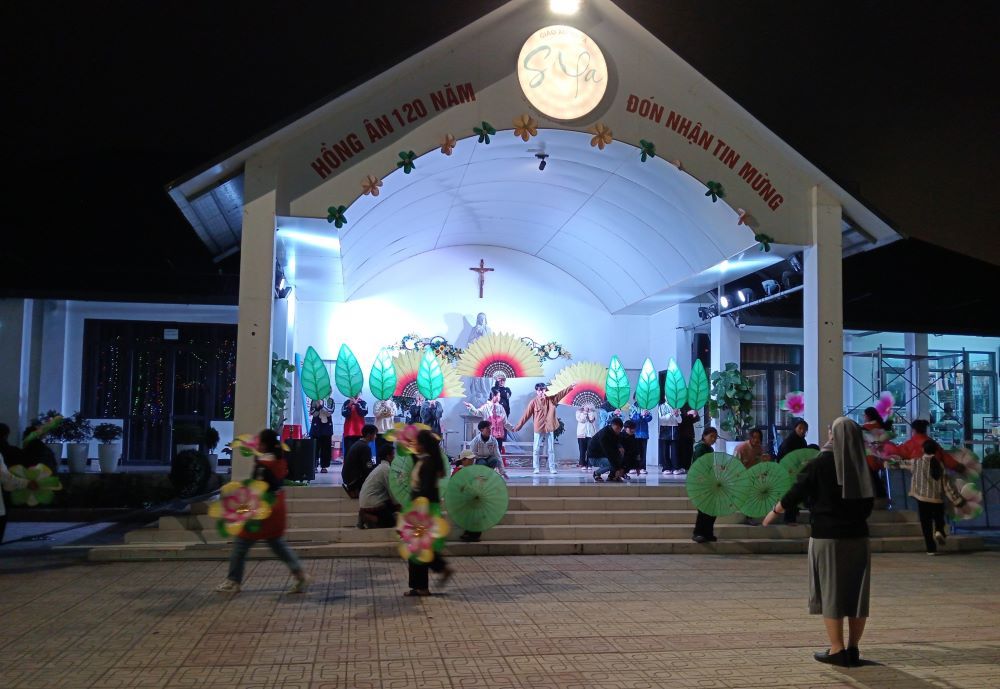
525 622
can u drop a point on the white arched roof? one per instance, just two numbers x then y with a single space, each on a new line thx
627 229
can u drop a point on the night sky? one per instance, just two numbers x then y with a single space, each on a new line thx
108 102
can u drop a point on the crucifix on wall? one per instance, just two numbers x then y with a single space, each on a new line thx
482 270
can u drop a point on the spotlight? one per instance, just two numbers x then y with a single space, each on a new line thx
541 158
724 301
708 312
744 295
771 287
794 262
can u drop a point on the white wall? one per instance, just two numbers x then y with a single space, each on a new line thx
435 294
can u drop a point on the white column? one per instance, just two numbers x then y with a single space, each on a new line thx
822 318
725 350
253 353
920 402
725 343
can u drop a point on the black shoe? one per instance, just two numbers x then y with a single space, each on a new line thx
698 538
597 477
854 657
840 658
711 539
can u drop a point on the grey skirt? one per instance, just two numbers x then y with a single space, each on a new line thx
839 577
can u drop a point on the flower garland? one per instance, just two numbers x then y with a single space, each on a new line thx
548 351
440 345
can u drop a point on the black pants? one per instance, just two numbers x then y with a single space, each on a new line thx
668 448
382 517
931 520
685 448
3 526
704 525
641 444
418 573
582 443
878 483
324 447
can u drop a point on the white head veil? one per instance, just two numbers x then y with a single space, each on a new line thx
849 455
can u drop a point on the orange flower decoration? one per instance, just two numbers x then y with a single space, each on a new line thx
602 135
525 127
448 144
677 164
370 185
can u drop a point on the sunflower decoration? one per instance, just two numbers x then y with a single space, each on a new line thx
408 367
499 353
37 485
421 530
602 136
590 379
525 127
242 505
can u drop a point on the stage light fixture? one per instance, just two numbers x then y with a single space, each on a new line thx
795 263
541 158
744 295
724 301
771 287
709 312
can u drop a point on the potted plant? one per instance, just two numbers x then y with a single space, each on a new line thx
109 451
731 402
53 440
281 388
77 432
188 436
211 442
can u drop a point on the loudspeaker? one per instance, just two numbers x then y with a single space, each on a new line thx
701 348
301 458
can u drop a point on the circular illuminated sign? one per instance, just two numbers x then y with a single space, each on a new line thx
562 72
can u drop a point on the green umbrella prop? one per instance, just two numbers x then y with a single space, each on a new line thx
794 461
399 477
717 484
768 482
477 498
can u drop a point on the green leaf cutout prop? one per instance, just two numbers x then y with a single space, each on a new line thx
675 388
348 373
616 387
382 379
697 392
315 379
430 377
647 390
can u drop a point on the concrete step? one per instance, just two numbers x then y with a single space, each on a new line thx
220 551
522 532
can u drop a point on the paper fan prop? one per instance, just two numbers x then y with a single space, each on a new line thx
793 462
968 459
499 353
717 484
241 504
407 366
38 485
768 483
969 496
422 531
401 469
477 498
589 378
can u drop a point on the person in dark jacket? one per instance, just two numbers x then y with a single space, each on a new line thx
838 486
358 462
685 438
796 440
704 525
605 451
500 387
321 430
428 470
630 449
37 452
